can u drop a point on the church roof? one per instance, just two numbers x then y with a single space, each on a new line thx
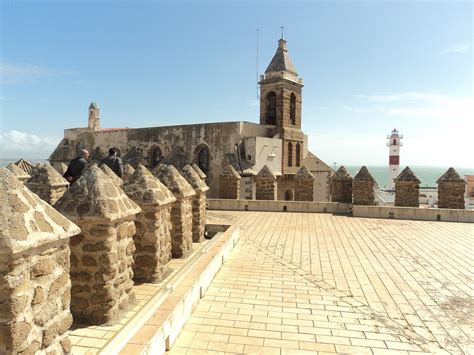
313 163
450 175
281 60
407 175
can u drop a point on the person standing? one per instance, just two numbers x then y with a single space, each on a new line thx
76 167
113 162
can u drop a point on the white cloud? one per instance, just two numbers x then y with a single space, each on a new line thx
24 73
458 48
419 105
14 144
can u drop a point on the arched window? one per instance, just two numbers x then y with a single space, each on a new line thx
288 195
290 154
298 152
202 158
271 109
293 109
156 156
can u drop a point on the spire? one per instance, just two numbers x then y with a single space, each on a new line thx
281 60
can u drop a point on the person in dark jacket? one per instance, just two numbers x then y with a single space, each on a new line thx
113 162
76 167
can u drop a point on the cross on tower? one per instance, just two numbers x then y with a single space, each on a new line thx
282 28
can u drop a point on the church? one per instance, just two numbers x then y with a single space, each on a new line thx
277 141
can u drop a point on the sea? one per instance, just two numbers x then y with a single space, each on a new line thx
427 174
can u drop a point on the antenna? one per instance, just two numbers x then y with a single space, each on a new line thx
282 28
257 69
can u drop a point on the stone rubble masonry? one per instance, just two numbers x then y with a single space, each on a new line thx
128 171
265 184
407 189
181 211
229 183
47 183
199 171
199 202
60 168
153 225
451 189
304 185
341 186
34 272
102 255
18 172
109 172
364 188
24 165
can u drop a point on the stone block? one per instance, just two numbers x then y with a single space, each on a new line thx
34 242
106 216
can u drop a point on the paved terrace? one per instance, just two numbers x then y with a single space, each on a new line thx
308 283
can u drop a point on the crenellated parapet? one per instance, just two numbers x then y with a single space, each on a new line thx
451 190
47 183
304 185
265 184
363 187
229 183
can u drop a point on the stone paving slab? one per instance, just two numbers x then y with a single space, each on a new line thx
318 283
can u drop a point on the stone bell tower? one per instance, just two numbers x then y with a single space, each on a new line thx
280 106
93 122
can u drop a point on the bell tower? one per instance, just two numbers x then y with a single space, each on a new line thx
280 106
93 122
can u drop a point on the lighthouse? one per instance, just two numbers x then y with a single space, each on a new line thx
394 143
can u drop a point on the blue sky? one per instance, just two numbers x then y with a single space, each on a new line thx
367 66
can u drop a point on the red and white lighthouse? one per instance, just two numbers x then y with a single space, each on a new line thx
394 143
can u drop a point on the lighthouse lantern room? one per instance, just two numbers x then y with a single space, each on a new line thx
394 143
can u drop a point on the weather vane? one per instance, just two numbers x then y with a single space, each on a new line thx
282 28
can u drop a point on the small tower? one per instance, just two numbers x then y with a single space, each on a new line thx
94 119
280 106
394 143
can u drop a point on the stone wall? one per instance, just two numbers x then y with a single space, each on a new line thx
304 184
407 189
265 184
47 183
34 273
199 202
364 188
229 186
451 189
341 186
153 225
102 255
181 211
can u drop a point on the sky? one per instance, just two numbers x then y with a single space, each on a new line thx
368 67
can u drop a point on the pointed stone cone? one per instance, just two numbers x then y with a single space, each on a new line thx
34 272
229 183
265 184
451 190
109 172
25 165
201 173
47 183
364 187
153 224
181 211
128 170
18 172
60 168
199 202
304 189
407 189
102 255
341 186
